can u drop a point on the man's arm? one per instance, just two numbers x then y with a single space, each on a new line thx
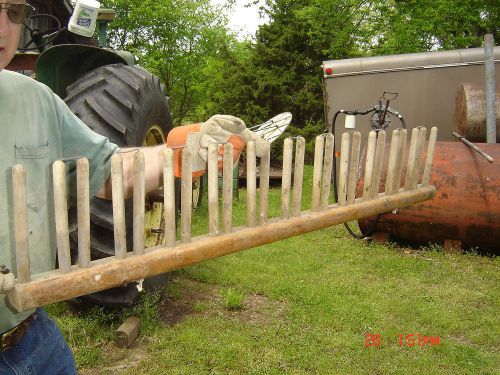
153 170
219 128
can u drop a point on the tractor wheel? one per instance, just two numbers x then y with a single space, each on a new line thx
127 105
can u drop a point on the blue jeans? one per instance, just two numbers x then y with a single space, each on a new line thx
42 351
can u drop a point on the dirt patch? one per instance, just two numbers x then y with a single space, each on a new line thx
198 299
461 339
258 310
176 306
120 360
190 298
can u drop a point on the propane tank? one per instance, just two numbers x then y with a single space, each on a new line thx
466 207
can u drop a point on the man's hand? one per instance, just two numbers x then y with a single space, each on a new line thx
6 280
153 161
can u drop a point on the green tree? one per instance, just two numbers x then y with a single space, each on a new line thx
174 39
232 84
396 26
281 70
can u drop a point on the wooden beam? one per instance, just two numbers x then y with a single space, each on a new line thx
110 272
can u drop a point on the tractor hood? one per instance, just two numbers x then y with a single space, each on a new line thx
61 65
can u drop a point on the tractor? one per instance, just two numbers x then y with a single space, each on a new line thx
112 96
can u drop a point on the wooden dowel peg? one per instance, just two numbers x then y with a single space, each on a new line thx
319 147
393 157
20 206
353 167
83 211
422 132
169 197
430 156
118 206
412 155
213 189
61 216
139 202
377 165
251 184
370 161
326 177
343 169
186 196
265 161
227 188
399 162
286 180
298 176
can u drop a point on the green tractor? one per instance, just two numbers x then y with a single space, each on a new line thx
111 95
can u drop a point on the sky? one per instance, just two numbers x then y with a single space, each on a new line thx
242 20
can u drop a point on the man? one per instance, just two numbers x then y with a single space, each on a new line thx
37 128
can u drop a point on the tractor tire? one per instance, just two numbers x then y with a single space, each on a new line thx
127 105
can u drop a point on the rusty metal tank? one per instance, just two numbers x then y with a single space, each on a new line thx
466 206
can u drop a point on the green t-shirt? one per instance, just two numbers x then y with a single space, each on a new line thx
38 128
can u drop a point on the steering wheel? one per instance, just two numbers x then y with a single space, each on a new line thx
42 38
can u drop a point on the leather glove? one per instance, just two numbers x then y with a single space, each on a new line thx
221 128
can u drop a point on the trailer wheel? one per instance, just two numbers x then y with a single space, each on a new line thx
127 105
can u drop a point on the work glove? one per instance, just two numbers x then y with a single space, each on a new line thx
226 128
6 281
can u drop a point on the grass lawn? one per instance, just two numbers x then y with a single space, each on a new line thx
304 306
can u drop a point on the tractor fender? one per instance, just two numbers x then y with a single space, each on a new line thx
61 65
